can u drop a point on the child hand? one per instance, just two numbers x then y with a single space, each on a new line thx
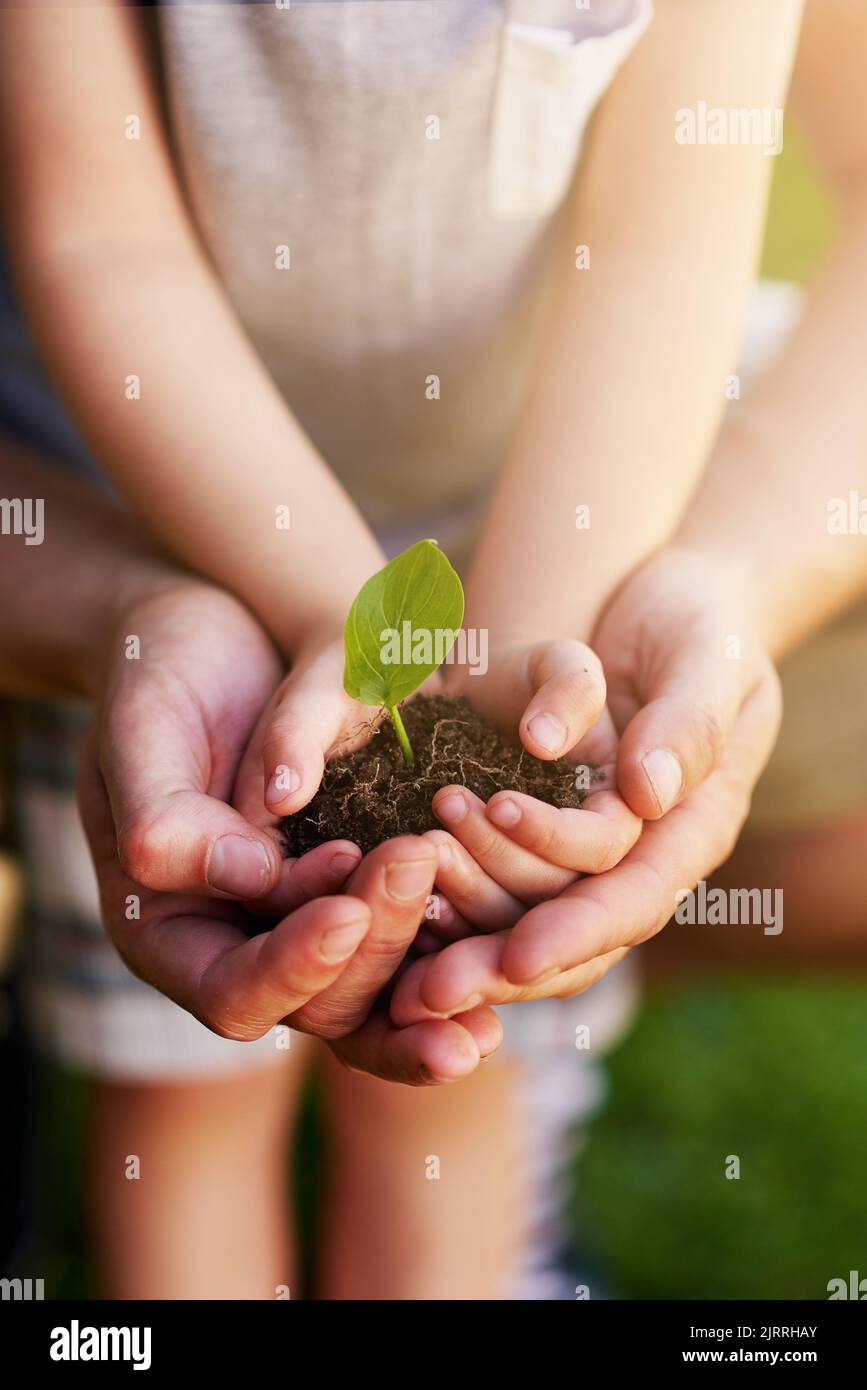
307 716
519 850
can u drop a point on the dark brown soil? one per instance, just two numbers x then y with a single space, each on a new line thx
375 794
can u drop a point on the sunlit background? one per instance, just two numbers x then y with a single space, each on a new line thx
773 1069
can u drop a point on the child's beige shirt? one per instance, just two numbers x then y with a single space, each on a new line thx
377 182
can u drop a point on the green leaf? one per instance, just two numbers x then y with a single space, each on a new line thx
401 627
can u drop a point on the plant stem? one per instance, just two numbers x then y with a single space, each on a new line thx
402 739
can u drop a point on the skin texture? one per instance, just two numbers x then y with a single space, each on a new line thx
196 1140
134 284
52 642
560 947
626 398
698 210
174 712
683 687
162 758
732 571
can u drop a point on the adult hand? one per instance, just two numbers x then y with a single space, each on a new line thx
170 730
685 674
682 658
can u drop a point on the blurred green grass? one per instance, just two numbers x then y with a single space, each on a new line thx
772 1071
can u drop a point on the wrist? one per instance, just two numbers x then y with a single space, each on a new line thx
728 571
314 632
301 622
117 613
733 523
695 582
63 597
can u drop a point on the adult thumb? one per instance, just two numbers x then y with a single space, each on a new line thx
172 836
678 736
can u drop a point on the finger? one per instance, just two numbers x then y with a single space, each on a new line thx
441 986
568 983
520 873
395 881
635 899
283 763
313 713
485 1028
319 873
311 720
468 974
272 976
171 835
569 699
443 920
305 724
430 1053
597 750
678 736
425 942
201 956
472 893
590 840
240 987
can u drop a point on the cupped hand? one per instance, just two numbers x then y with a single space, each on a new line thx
682 656
187 670
678 681
171 725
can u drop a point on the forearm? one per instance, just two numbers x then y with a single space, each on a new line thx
62 597
629 386
139 334
210 456
766 506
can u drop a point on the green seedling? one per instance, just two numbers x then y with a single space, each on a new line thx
400 628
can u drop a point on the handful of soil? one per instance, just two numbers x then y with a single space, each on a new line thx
375 794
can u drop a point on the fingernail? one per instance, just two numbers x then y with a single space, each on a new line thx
284 781
444 854
548 731
340 942
451 808
238 866
505 813
407 879
343 864
665 775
